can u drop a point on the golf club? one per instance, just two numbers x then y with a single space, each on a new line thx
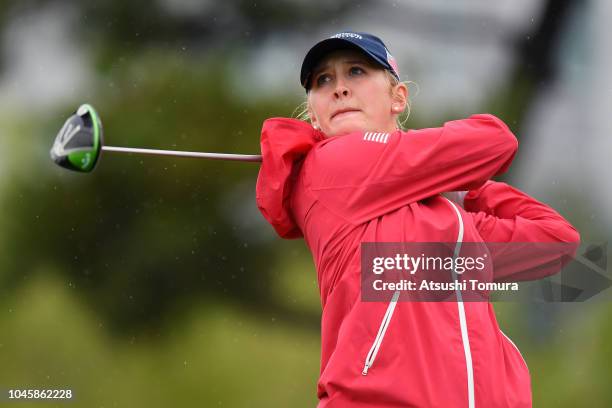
80 141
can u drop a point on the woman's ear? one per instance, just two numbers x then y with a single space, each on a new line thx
313 119
399 97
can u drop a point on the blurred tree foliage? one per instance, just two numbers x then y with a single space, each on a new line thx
141 236
139 23
535 64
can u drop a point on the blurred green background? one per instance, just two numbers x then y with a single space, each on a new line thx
156 282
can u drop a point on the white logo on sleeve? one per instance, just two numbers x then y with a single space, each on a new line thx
376 137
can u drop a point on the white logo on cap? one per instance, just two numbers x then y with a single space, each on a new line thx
347 35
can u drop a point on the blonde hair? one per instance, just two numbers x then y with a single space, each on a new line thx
301 111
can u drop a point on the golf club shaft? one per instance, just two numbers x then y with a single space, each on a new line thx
201 155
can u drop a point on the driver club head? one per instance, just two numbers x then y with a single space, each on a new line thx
79 142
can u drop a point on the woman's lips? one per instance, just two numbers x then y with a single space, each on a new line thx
345 113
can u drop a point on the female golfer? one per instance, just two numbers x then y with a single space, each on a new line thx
349 175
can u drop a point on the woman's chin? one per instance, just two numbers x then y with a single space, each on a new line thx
345 128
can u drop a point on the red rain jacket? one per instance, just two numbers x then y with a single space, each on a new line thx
377 187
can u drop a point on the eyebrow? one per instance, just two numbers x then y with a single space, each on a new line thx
324 67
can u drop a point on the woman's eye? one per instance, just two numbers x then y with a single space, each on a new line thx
356 70
322 79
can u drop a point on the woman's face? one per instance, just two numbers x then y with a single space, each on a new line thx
349 93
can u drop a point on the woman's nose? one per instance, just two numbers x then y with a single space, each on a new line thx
341 90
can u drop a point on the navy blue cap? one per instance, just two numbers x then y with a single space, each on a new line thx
369 44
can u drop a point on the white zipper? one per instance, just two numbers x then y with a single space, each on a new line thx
462 320
381 333
462 323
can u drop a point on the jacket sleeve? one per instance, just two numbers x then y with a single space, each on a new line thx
528 240
284 144
361 177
